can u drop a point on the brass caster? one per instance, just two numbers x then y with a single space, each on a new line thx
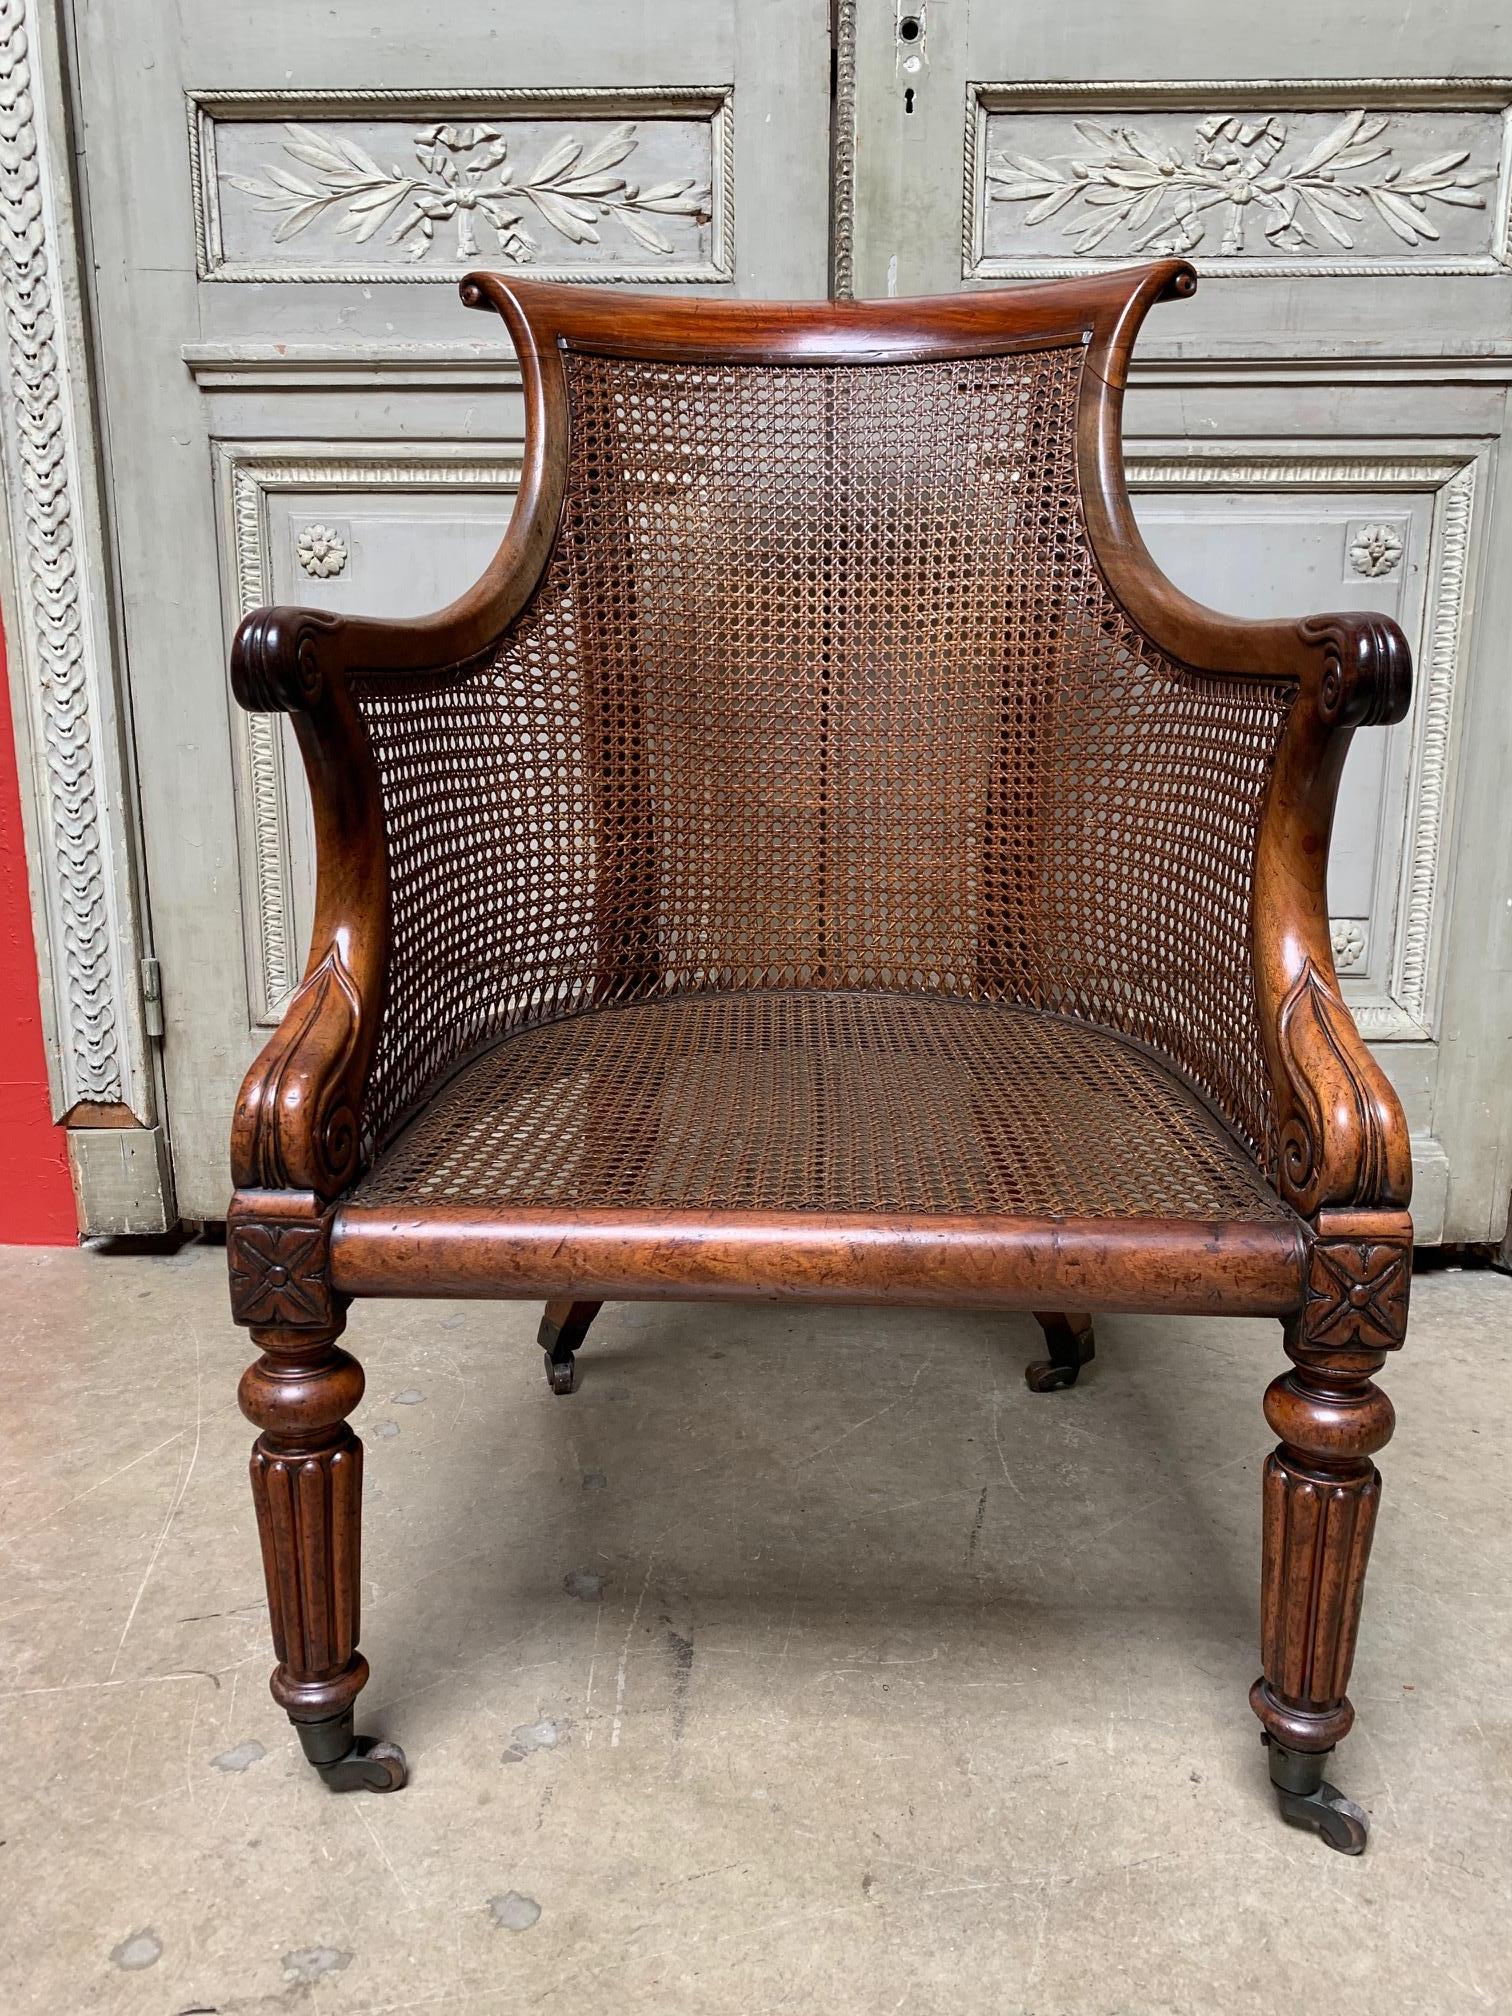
351 1763
1071 1346
1308 1800
560 1372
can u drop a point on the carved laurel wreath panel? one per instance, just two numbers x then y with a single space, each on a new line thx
1289 178
1403 1010
252 476
626 184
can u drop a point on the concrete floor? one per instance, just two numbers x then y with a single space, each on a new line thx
801 1660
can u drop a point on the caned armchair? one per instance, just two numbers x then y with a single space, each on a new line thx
824 859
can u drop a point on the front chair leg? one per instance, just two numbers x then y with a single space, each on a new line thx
1321 1491
307 1488
1071 1346
563 1328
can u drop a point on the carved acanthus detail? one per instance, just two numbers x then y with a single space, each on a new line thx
296 1126
1333 1141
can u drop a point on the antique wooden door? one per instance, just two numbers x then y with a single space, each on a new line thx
233 242
1320 428
298 408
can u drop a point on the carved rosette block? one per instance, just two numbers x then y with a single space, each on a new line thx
307 1490
278 1250
1320 1496
1359 1272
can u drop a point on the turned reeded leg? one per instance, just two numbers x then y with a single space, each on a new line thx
1321 1491
563 1328
1070 1340
307 1488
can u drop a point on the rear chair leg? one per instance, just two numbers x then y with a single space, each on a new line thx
307 1488
1071 1346
563 1328
1321 1491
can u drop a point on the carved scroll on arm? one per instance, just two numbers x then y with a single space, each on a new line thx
298 1116
1342 1141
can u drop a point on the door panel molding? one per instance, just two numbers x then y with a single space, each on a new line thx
463 184
1403 1010
250 473
1329 177
843 153
69 707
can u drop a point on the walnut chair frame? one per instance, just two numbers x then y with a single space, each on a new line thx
823 858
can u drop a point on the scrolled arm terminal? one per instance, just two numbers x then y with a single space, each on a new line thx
276 658
1366 681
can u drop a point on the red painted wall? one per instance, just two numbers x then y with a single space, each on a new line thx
36 1196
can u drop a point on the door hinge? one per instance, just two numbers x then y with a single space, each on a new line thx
152 996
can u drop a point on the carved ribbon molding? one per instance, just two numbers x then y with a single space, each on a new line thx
44 485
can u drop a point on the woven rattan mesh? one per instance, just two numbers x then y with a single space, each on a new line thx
834 1102
822 689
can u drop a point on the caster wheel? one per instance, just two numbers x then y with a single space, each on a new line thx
1045 1376
367 1767
560 1372
1308 1800
1341 1823
349 1762
1071 1346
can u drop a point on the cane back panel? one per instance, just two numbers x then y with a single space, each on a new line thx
822 690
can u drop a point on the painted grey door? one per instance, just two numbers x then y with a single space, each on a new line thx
298 408
1321 427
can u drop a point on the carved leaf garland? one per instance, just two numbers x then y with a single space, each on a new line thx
463 173
1163 196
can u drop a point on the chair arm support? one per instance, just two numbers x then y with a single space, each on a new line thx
1342 1140
297 1124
